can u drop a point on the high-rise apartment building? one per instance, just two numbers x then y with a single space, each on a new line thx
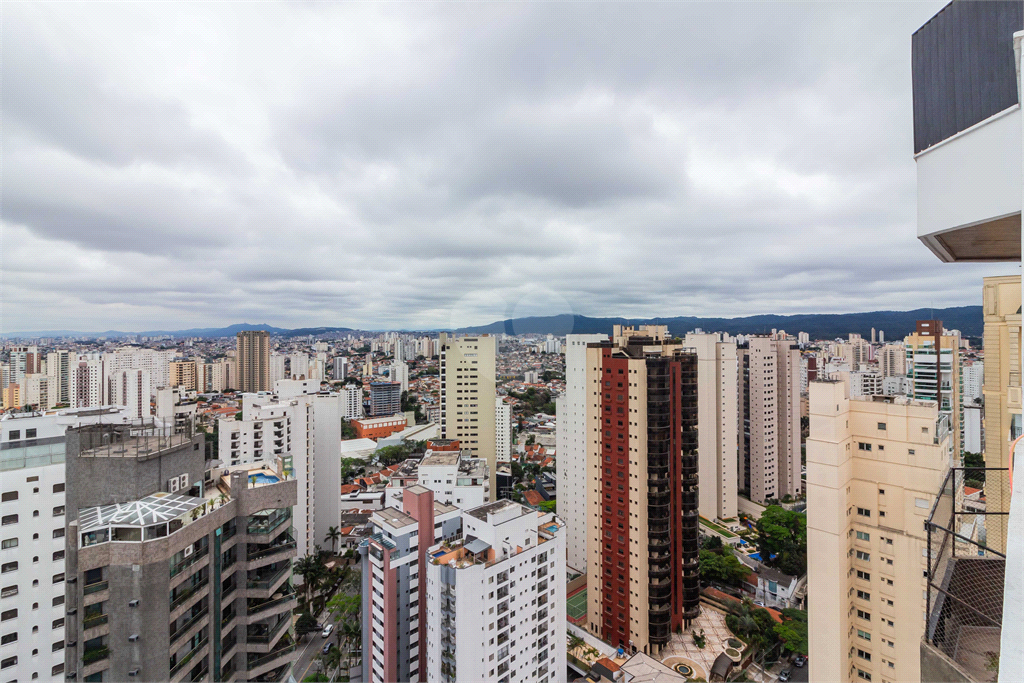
39 390
298 364
59 365
130 388
892 360
495 598
641 488
468 396
933 364
88 383
717 438
277 368
253 361
351 402
1001 297
571 447
874 467
394 561
24 360
157 362
769 419
385 399
399 373
502 431
456 478
32 448
175 572
183 374
339 368
974 379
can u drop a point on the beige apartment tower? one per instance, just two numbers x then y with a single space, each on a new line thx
253 361
717 404
1002 391
874 467
768 418
467 396
892 360
183 374
935 375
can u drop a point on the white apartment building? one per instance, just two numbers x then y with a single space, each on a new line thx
456 478
351 402
502 431
89 383
276 368
467 395
717 406
892 360
500 590
131 388
157 362
769 419
399 372
974 379
32 533
304 428
874 467
299 366
40 390
58 366
897 386
571 447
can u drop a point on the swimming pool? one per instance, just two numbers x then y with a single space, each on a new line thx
261 478
439 553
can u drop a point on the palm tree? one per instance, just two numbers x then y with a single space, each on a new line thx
222 498
333 534
574 642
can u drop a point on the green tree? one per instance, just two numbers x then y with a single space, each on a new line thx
975 477
305 624
793 631
333 534
783 534
347 430
548 506
722 566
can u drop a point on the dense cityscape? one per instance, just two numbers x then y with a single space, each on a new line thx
646 501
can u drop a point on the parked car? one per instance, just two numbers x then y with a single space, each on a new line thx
328 630
327 647
785 676
800 660
758 603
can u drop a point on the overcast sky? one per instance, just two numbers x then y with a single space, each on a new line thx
170 165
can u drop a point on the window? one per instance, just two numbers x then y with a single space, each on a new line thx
8 591
9 496
59 600
57 623
57 670
866 656
58 533
30 433
58 511
863 512
8 567
8 638
9 614
861 555
57 578
9 519
58 488
863 536
863 634
58 555
911 451
921 503
863 575
10 661
881 425
864 596
861 614
863 446
9 543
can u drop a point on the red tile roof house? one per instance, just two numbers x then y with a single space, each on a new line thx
533 498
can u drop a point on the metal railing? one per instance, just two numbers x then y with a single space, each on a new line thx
180 599
188 657
260 661
187 562
178 633
251 555
965 577
95 587
267 604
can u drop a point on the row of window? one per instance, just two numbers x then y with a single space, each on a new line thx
13 519
9 496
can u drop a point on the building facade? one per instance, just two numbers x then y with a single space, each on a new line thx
252 360
502 431
571 447
495 598
643 575
874 468
467 395
769 419
933 365
174 572
385 399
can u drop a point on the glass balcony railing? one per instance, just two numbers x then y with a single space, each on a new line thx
188 657
183 629
95 587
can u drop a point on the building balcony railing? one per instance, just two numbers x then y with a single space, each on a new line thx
260 633
255 607
255 552
94 620
95 654
187 593
188 657
184 628
256 662
95 587
965 577
187 562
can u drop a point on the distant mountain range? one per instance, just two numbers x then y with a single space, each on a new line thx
895 324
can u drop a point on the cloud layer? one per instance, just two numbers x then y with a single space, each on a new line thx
410 165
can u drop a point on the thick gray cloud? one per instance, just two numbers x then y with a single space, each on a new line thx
426 165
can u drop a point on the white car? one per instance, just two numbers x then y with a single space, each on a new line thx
327 631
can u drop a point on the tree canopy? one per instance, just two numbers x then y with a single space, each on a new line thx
783 534
793 631
723 566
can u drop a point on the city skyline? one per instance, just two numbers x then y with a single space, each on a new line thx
345 139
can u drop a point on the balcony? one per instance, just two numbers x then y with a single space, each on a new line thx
189 625
263 581
183 596
268 554
95 587
965 597
261 664
262 637
280 600
187 562
180 665
967 132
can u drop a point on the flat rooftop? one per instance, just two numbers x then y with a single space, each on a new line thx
394 517
153 509
494 508
441 459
